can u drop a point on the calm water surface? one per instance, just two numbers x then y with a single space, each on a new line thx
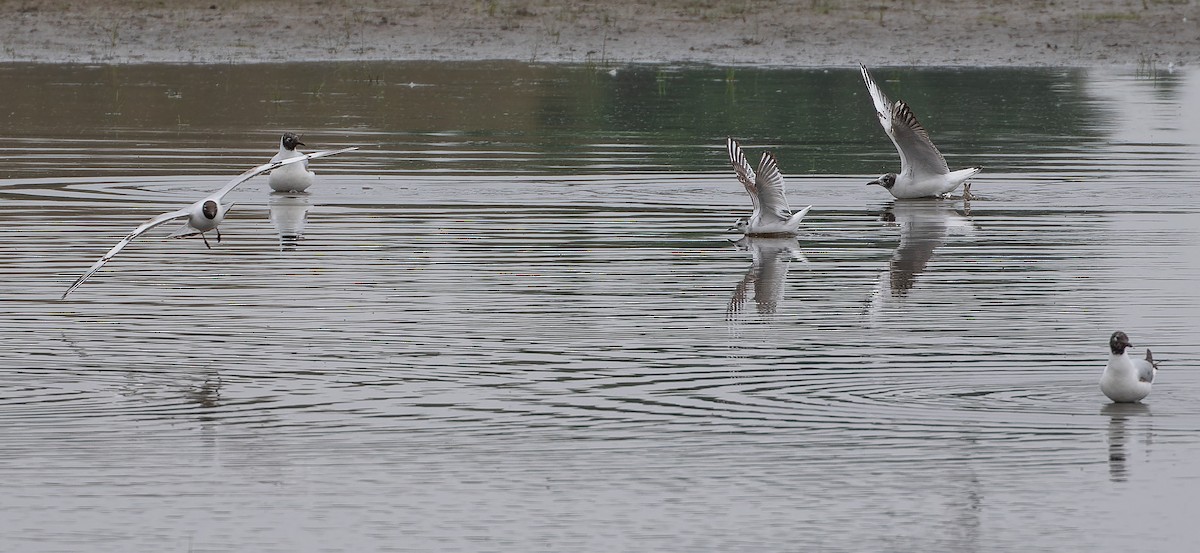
514 322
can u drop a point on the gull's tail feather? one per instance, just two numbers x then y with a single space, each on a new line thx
798 216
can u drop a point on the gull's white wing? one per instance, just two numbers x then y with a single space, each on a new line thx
769 183
918 156
742 167
165 217
218 195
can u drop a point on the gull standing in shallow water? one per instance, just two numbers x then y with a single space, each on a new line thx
923 170
292 177
202 216
1127 380
771 216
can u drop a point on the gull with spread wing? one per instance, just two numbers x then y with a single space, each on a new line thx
202 216
771 216
923 170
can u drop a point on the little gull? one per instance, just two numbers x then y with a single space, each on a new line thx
771 216
292 177
202 216
1127 380
923 170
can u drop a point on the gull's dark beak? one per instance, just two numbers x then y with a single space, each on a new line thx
298 143
876 182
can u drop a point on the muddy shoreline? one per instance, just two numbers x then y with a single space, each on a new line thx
806 33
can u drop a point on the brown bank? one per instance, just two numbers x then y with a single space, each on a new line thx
800 33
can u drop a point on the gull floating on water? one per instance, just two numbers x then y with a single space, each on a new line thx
292 177
923 170
202 216
771 216
1125 379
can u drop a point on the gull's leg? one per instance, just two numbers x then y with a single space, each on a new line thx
218 234
205 238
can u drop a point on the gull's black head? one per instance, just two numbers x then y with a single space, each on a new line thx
887 181
741 225
1118 342
290 141
209 209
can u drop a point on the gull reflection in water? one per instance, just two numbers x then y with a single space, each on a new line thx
765 279
1118 435
289 213
924 226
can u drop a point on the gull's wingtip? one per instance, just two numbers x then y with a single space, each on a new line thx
72 288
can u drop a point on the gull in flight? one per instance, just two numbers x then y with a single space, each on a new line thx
771 216
292 177
923 170
1127 380
202 216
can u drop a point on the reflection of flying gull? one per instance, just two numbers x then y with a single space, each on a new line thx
771 212
924 227
1125 379
292 177
766 276
202 216
923 170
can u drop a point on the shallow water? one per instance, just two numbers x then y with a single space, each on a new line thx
514 322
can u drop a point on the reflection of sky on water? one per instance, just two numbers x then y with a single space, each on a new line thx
512 308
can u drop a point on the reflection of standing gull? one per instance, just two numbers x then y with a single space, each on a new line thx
923 228
289 212
766 275
1117 435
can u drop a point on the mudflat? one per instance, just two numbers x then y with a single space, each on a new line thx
803 33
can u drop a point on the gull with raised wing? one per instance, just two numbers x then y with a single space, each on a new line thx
923 170
771 216
1127 380
293 177
202 216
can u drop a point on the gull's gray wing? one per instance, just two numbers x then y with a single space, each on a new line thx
923 158
1146 367
218 195
165 217
918 156
742 167
769 183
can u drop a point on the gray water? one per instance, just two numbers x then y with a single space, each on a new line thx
514 321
